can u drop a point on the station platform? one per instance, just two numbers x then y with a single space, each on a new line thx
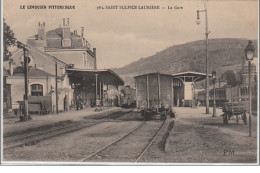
13 125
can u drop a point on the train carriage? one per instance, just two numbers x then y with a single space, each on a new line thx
154 95
224 94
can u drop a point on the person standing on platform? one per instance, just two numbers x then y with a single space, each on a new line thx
77 103
65 103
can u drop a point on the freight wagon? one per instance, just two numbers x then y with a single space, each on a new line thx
154 95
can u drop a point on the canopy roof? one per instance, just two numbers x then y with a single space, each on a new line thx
190 76
106 75
153 74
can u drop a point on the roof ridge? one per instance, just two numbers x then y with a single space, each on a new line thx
15 51
49 74
48 55
56 30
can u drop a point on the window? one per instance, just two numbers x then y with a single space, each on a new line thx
36 90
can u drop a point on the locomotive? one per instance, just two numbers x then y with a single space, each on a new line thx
127 97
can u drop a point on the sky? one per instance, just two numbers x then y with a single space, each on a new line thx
124 36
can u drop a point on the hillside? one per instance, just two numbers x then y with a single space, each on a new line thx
224 54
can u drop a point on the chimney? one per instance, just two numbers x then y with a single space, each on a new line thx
41 31
82 31
68 21
40 42
11 67
66 40
95 58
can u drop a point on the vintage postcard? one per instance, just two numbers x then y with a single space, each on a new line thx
129 82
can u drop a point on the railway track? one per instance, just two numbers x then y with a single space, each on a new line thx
113 115
140 155
25 139
150 143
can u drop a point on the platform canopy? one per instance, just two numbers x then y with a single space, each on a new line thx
190 76
162 74
106 75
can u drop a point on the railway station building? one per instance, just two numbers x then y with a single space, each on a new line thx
75 61
41 81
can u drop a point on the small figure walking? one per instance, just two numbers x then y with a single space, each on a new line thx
65 103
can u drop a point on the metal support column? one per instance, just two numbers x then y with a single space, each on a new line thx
214 100
100 92
96 77
103 95
95 58
147 91
159 91
136 93
172 93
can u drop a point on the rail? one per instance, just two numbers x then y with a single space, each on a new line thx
31 139
150 143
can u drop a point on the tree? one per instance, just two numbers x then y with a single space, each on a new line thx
9 40
230 77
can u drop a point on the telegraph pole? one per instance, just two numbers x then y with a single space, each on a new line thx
25 83
56 87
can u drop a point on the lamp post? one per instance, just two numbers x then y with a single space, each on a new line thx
214 94
207 62
25 51
249 52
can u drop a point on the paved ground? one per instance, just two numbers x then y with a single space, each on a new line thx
12 125
196 138
200 138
